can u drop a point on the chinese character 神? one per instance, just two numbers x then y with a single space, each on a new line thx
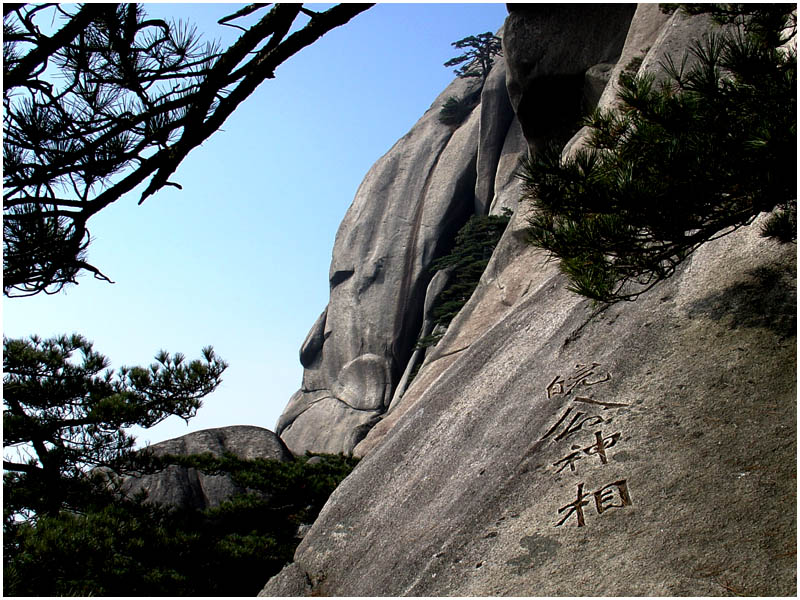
598 448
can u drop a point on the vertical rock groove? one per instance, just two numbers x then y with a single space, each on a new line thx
410 256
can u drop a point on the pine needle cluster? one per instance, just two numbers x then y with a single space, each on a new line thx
108 100
680 162
65 414
467 260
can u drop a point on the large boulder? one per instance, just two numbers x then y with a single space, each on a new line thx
189 488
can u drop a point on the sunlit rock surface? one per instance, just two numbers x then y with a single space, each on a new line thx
405 215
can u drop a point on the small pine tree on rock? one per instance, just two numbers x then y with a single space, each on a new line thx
478 56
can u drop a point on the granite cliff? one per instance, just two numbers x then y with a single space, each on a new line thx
407 211
545 447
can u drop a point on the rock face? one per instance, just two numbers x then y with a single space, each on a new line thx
409 207
549 448
549 49
179 486
404 215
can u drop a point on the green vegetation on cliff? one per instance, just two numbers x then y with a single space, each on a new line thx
472 249
479 54
681 162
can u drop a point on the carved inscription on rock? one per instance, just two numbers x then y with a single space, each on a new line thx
585 424
613 495
597 449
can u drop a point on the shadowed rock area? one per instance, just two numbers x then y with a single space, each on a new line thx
550 448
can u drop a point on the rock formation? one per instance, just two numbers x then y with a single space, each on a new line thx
403 217
179 486
546 447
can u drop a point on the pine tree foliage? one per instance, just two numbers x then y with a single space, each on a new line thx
679 163
130 547
478 56
69 528
456 110
108 100
472 249
65 414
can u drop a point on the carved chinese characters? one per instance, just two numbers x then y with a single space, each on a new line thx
598 449
586 424
613 495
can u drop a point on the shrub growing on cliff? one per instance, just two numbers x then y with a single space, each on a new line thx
472 249
678 164
455 110
479 58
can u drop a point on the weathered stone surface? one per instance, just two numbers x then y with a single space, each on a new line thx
311 349
496 115
410 205
435 287
647 23
329 425
364 383
595 81
506 184
179 486
508 277
691 392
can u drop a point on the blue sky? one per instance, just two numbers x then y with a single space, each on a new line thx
239 258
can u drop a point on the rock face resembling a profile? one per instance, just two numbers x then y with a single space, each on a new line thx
405 213
551 448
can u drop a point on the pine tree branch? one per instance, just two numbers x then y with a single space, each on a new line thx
38 56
